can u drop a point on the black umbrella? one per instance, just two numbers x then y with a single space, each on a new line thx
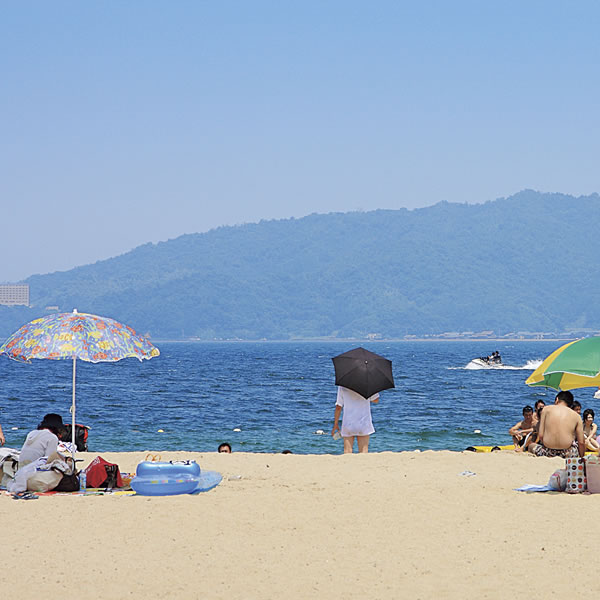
364 372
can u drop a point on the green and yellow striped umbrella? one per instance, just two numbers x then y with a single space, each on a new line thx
574 365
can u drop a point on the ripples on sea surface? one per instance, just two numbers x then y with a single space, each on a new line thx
278 395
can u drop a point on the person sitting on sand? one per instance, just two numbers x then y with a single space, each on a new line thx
225 448
42 441
520 431
356 420
560 430
532 437
537 411
577 407
589 430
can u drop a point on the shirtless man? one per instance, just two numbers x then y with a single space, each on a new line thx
560 430
522 428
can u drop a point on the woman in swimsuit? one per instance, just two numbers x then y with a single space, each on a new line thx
589 431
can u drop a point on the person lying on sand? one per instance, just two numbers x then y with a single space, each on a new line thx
522 428
560 430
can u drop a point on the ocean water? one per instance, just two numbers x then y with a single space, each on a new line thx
279 396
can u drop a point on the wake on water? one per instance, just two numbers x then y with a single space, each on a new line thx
530 365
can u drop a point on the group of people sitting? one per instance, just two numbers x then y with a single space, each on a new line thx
556 430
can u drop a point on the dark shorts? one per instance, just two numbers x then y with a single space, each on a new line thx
540 450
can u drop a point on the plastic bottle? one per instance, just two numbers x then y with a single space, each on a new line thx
82 480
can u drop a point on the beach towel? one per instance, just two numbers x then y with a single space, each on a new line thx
535 488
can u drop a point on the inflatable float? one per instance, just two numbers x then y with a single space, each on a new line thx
489 448
154 478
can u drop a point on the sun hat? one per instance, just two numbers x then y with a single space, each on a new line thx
51 421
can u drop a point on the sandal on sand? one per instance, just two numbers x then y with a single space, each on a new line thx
25 496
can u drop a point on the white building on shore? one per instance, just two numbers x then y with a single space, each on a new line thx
14 294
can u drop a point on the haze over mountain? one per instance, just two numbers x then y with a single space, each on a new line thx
524 263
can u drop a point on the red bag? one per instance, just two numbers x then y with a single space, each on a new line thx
100 473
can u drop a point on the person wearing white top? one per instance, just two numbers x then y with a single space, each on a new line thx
356 419
42 441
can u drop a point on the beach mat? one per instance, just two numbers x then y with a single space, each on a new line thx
208 481
535 488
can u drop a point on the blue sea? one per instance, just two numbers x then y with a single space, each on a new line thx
271 396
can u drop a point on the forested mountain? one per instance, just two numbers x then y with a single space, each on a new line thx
528 262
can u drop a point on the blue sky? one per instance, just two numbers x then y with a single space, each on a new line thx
128 122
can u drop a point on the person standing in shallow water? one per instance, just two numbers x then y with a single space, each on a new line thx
356 419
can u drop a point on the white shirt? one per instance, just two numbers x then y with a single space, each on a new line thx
38 443
356 418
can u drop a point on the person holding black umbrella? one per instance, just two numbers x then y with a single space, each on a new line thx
356 419
360 375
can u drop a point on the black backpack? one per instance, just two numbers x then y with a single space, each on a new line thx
81 436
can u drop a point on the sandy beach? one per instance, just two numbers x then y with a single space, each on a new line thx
389 525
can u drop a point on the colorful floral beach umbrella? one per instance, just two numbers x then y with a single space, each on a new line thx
77 336
574 365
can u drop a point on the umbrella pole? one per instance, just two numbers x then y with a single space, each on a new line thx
73 412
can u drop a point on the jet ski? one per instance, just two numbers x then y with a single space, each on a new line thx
493 360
